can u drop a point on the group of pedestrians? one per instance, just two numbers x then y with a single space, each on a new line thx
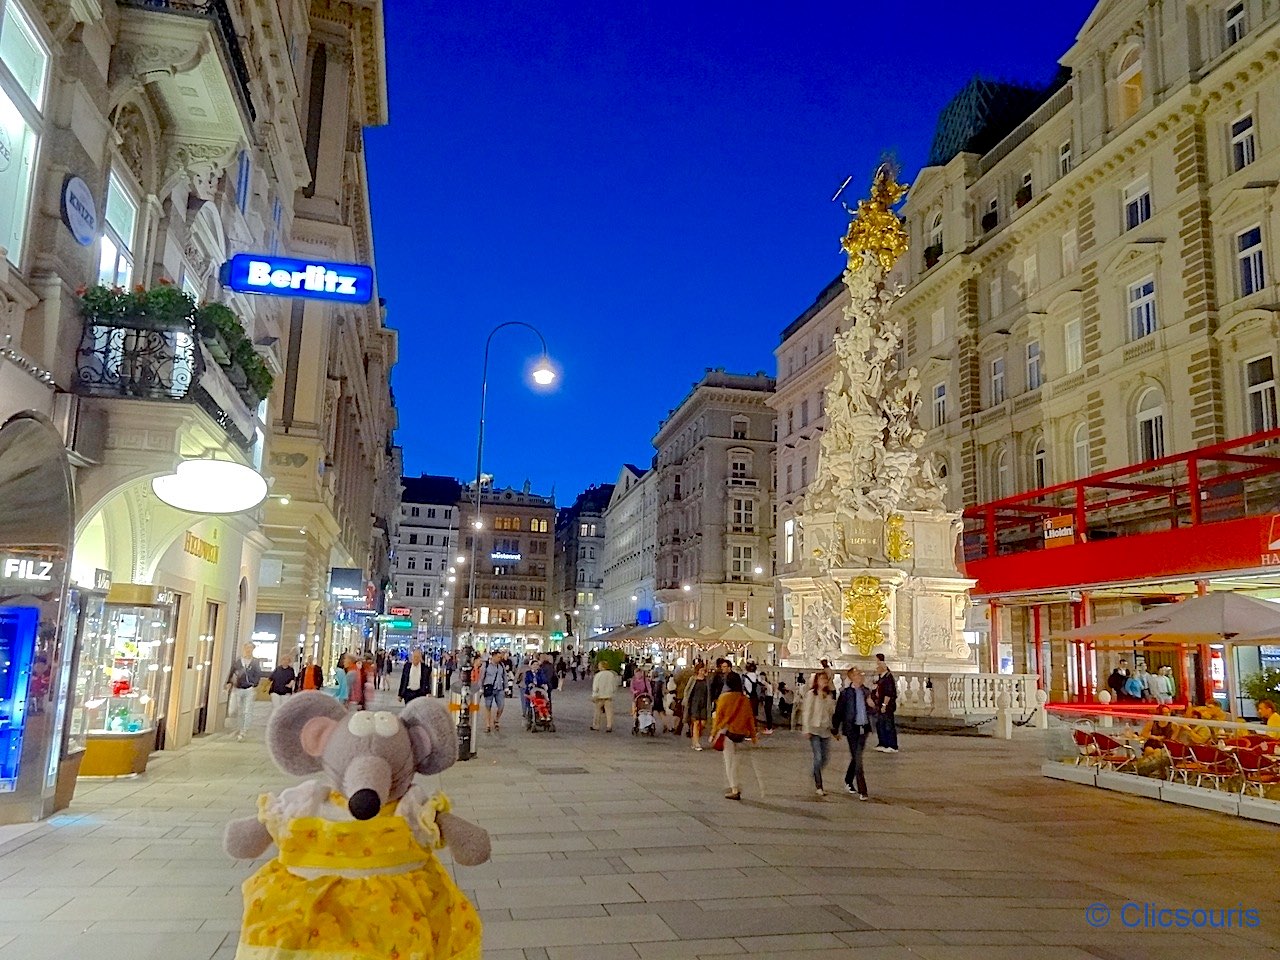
850 715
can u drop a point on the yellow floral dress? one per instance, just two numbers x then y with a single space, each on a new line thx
347 889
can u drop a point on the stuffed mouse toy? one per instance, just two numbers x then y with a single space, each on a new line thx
355 877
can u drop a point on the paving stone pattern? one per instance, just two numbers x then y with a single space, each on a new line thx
614 847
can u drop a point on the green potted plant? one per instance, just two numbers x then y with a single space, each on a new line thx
242 357
220 329
260 380
1263 685
162 307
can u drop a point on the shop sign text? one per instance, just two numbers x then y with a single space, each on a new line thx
201 549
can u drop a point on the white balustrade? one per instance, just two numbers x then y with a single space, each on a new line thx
964 694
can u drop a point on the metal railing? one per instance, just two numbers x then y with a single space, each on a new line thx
219 14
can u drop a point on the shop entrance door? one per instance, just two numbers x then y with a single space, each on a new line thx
204 667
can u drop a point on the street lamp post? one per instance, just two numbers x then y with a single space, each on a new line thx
543 374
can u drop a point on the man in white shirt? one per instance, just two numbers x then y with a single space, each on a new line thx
1160 686
415 678
602 689
242 681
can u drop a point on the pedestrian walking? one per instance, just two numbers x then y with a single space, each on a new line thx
735 721
575 665
697 704
243 681
450 665
380 668
341 679
492 677
886 699
602 690
819 709
755 684
283 680
355 683
311 677
660 696
678 687
855 710
415 678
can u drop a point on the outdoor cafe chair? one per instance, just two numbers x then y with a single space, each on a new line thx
1086 753
1257 769
1215 763
1184 764
1110 752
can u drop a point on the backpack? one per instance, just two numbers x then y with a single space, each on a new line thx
750 685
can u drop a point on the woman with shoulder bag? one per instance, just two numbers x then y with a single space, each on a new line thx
734 721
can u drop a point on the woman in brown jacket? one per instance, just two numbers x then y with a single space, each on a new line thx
736 720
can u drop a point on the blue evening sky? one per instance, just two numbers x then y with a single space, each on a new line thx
647 183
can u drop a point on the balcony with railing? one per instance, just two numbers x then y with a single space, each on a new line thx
1209 509
188 51
132 361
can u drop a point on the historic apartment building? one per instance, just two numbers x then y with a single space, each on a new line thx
144 145
714 486
1090 283
579 561
513 542
630 550
428 562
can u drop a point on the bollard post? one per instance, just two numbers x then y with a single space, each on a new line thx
1042 714
1004 717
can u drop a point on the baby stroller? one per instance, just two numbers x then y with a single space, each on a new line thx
539 717
644 716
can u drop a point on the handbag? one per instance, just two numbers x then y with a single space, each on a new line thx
718 742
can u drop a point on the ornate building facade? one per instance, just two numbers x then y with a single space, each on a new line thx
630 549
581 538
144 144
1089 288
714 485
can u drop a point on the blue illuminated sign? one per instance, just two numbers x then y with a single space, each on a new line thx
308 279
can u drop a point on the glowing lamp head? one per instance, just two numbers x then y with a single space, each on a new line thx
211 487
544 374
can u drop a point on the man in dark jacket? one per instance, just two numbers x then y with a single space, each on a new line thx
415 678
886 700
854 714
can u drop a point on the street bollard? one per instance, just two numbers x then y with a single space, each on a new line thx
1004 717
466 728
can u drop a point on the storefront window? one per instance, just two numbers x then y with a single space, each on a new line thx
24 71
94 642
125 674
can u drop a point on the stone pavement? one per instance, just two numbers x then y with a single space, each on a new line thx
620 847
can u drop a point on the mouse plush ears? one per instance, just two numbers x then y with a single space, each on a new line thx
304 718
431 731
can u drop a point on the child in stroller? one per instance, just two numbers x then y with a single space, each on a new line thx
643 709
539 716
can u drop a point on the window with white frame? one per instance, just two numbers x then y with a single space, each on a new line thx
1070 253
995 296
1142 308
412 563
1149 420
1137 203
120 226
1249 257
1235 26
1073 345
744 513
790 483
742 560
1244 148
804 412
1039 466
1080 450
24 76
1034 378
935 231
1260 387
997 381
739 468
408 588
789 540
938 326
791 421
1030 275
739 428
939 404
1064 158
804 472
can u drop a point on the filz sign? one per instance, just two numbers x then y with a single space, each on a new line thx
305 279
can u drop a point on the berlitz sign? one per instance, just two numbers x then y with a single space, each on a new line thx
308 279
79 212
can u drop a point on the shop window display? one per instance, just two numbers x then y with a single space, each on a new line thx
125 668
